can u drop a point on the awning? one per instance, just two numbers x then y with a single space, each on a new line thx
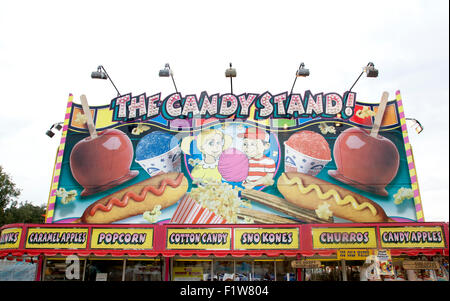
29 259
169 240
417 252
81 253
238 254
78 239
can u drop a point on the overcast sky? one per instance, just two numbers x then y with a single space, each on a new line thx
49 48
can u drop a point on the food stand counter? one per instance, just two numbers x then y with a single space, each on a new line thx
340 252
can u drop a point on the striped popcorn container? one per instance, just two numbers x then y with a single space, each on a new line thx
191 212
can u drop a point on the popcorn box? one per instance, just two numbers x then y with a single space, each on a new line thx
167 162
295 161
191 212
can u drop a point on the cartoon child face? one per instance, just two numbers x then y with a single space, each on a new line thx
213 145
254 148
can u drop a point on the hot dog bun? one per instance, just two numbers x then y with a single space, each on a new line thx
309 192
164 190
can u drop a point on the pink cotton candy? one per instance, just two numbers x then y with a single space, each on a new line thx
233 165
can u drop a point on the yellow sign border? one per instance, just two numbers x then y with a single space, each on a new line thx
294 245
146 245
345 254
198 246
14 245
57 233
372 241
415 229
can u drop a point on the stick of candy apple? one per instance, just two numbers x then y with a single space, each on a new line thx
87 113
379 116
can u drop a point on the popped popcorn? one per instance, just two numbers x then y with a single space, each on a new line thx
323 211
325 129
194 162
365 112
81 118
403 194
140 129
152 216
66 196
221 198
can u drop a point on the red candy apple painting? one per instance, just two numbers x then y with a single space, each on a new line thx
111 150
366 162
251 158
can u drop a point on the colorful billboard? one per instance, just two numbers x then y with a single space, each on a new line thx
235 159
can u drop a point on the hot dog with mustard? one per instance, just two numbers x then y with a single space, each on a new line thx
309 192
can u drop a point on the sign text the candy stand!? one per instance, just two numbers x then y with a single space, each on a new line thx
267 105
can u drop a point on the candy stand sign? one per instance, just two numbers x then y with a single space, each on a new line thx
249 158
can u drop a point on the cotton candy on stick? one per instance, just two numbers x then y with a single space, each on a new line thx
233 165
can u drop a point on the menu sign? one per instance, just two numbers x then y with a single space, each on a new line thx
189 273
198 239
52 238
353 254
344 238
384 261
305 264
125 239
266 239
10 238
420 265
272 158
412 237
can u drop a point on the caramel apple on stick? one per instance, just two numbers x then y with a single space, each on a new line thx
379 115
365 159
87 113
101 160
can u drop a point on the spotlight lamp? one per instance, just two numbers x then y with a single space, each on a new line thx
231 72
57 126
301 72
370 72
50 133
99 74
166 72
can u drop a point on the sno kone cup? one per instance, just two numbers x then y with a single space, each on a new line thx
295 161
164 163
306 152
159 152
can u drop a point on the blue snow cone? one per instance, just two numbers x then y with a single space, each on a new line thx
154 144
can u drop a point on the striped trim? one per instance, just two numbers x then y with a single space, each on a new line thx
260 167
190 212
58 163
410 160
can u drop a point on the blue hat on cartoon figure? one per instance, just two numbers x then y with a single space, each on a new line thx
159 152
